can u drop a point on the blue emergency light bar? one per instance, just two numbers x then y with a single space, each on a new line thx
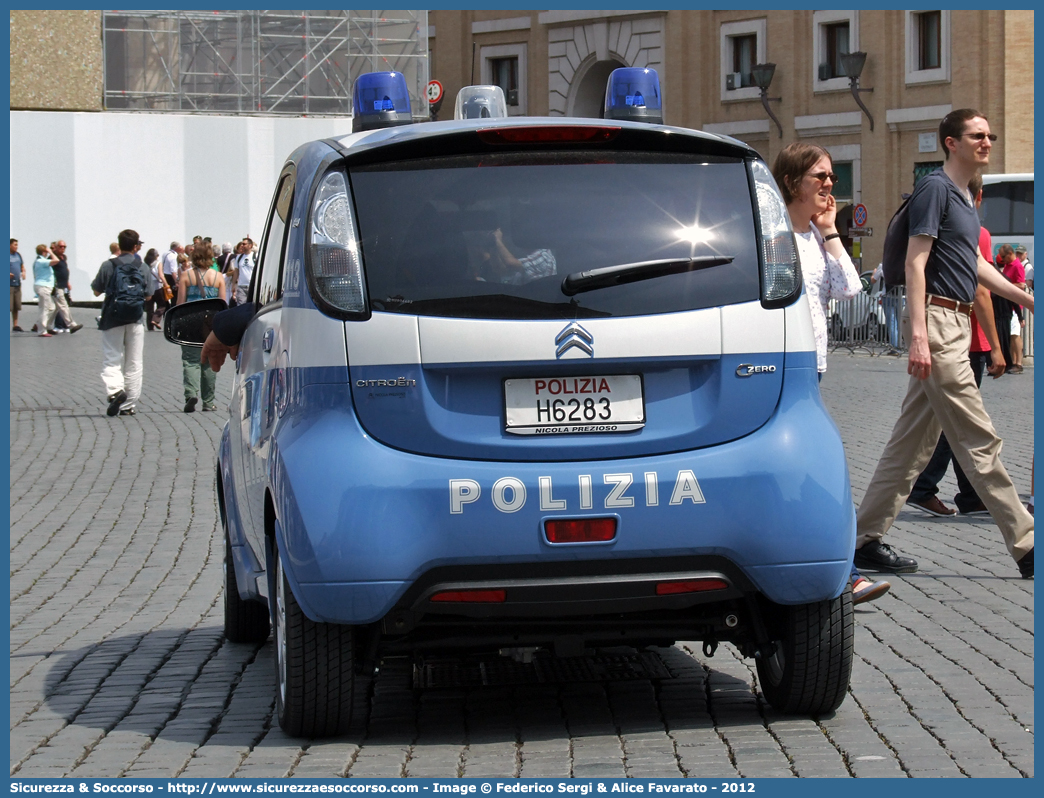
633 93
380 99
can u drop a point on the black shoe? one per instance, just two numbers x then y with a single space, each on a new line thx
115 401
190 405
127 411
975 509
16 328
1026 565
878 556
75 327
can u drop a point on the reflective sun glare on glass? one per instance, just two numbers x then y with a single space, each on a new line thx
695 234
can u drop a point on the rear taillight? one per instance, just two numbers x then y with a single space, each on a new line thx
470 596
336 265
690 586
780 273
580 530
551 134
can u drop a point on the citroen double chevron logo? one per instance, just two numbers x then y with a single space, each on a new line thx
574 336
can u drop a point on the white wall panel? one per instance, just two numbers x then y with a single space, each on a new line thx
83 177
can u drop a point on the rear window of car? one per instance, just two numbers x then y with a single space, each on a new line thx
494 236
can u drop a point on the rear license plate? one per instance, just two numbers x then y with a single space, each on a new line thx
574 405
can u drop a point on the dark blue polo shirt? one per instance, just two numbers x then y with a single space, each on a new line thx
61 273
941 210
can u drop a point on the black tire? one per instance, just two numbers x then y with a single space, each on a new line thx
812 665
315 668
837 328
873 329
245 621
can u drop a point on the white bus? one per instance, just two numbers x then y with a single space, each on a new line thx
1007 210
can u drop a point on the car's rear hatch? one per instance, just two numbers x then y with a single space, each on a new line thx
493 334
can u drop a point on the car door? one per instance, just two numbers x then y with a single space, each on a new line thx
261 353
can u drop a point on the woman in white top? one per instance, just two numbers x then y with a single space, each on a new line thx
805 176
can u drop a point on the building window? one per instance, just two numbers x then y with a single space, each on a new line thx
742 46
504 65
744 56
925 168
834 34
505 75
927 46
929 35
844 188
836 46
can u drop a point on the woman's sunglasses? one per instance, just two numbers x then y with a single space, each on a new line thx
822 176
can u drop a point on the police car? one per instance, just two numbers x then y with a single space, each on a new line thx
531 383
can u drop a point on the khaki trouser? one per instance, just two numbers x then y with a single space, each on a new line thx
950 400
62 308
46 307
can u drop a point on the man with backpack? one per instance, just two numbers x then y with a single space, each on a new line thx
943 268
124 281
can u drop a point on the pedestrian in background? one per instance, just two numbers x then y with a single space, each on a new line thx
892 302
17 275
123 280
114 249
62 287
170 268
155 295
1015 272
244 269
199 282
43 285
1027 267
227 263
805 176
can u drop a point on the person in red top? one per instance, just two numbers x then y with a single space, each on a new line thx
1012 268
984 353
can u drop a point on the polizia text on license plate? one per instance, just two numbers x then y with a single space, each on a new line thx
574 405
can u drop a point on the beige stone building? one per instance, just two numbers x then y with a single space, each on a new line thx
919 65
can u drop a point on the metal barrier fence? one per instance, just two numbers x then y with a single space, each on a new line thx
871 322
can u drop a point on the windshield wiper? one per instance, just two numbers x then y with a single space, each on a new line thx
578 282
484 306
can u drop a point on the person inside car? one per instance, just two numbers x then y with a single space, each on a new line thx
498 265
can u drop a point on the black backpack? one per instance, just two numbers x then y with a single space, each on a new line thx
126 294
897 238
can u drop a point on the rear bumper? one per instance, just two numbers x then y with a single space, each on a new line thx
360 524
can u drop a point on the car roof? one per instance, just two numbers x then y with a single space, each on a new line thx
356 143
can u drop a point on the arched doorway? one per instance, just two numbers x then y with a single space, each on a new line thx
588 95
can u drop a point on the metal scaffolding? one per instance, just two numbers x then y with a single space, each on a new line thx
258 62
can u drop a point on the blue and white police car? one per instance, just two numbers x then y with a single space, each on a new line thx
531 383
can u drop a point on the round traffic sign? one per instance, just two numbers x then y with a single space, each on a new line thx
434 91
859 215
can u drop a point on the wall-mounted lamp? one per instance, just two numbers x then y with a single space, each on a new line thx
852 64
762 75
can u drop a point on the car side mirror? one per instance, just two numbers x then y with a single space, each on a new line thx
190 324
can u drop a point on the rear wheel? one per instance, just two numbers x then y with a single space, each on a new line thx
810 670
245 621
315 673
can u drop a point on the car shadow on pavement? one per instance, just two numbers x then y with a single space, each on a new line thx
191 685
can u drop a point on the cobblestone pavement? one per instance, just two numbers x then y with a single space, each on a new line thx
119 666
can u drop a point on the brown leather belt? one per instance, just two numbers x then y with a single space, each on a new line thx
950 304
